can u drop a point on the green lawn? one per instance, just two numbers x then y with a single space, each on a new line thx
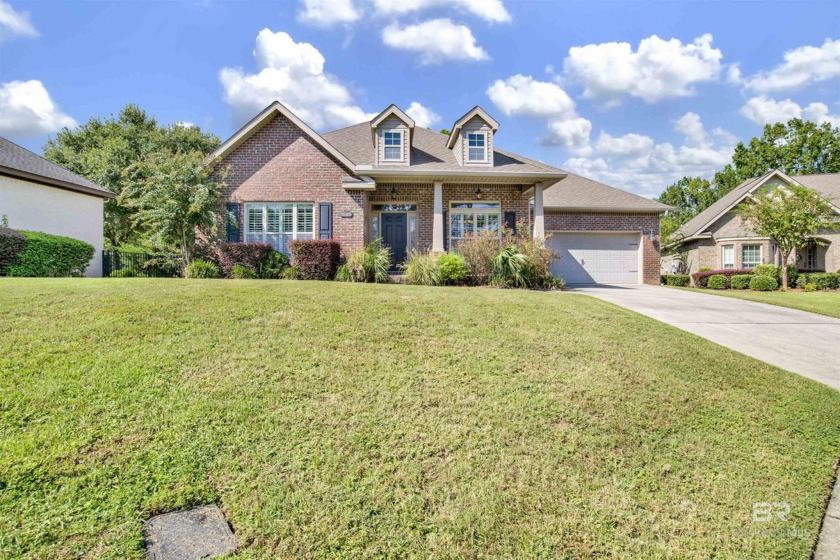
353 421
824 303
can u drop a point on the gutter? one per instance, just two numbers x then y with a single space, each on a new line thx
50 182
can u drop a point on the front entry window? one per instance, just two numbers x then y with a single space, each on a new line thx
472 218
279 223
750 256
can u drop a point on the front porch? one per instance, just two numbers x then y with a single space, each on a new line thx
435 217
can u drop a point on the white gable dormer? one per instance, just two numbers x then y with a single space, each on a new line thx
471 139
392 132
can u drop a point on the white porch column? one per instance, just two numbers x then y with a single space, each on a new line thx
539 218
437 224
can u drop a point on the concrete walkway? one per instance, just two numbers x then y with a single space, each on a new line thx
798 341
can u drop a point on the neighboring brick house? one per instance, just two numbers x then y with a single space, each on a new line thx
420 190
717 237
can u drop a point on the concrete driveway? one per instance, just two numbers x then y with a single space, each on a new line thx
801 342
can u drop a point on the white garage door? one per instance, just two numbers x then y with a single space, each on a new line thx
602 258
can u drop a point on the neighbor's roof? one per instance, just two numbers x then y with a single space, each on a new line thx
20 163
827 184
428 152
576 193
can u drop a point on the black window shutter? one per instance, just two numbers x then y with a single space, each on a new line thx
232 225
510 221
325 220
445 230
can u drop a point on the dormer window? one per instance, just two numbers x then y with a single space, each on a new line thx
393 146
477 146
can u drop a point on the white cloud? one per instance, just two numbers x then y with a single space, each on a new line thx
14 24
638 163
26 110
802 66
423 116
325 13
523 95
436 40
658 69
764 110
690 126
624 146
185 124
490 10
292 73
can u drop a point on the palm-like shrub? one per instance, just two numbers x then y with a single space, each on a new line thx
370 264
199 268
512 268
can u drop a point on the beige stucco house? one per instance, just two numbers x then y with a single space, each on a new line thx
718 238
39 195
416 189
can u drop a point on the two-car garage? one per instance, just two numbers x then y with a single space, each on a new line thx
600 258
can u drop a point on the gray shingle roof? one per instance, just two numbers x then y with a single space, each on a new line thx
828 184
20 162
579 193
428 152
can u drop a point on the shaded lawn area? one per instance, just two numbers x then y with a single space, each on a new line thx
343 420
822 302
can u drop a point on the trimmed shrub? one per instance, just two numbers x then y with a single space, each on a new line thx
240 272
370 264
717 282
200 268
763 283
51 255
810 287
421 269
740 281
453 269
680 280
315 259
699 278
123 273
289 273
259 257
793 274
824 280
766 270
12 244
705 269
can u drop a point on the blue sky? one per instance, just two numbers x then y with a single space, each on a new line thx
635 94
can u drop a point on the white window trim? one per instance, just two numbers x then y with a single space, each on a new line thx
411 236
760 253
486 147
294 233
723 255
474 211
401 146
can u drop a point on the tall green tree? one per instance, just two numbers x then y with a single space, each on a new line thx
689 196
104 149
790 215
176 196
797 148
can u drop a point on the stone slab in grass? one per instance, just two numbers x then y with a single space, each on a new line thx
196 533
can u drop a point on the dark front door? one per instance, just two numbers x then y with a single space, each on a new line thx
395 236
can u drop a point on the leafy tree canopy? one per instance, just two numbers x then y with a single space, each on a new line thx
104 150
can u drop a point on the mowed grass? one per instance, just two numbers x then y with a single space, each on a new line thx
822 302
362 421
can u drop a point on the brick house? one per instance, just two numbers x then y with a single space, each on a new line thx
718 238
420 190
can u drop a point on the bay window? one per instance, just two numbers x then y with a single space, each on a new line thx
277 223
728 256
472 218
750 256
